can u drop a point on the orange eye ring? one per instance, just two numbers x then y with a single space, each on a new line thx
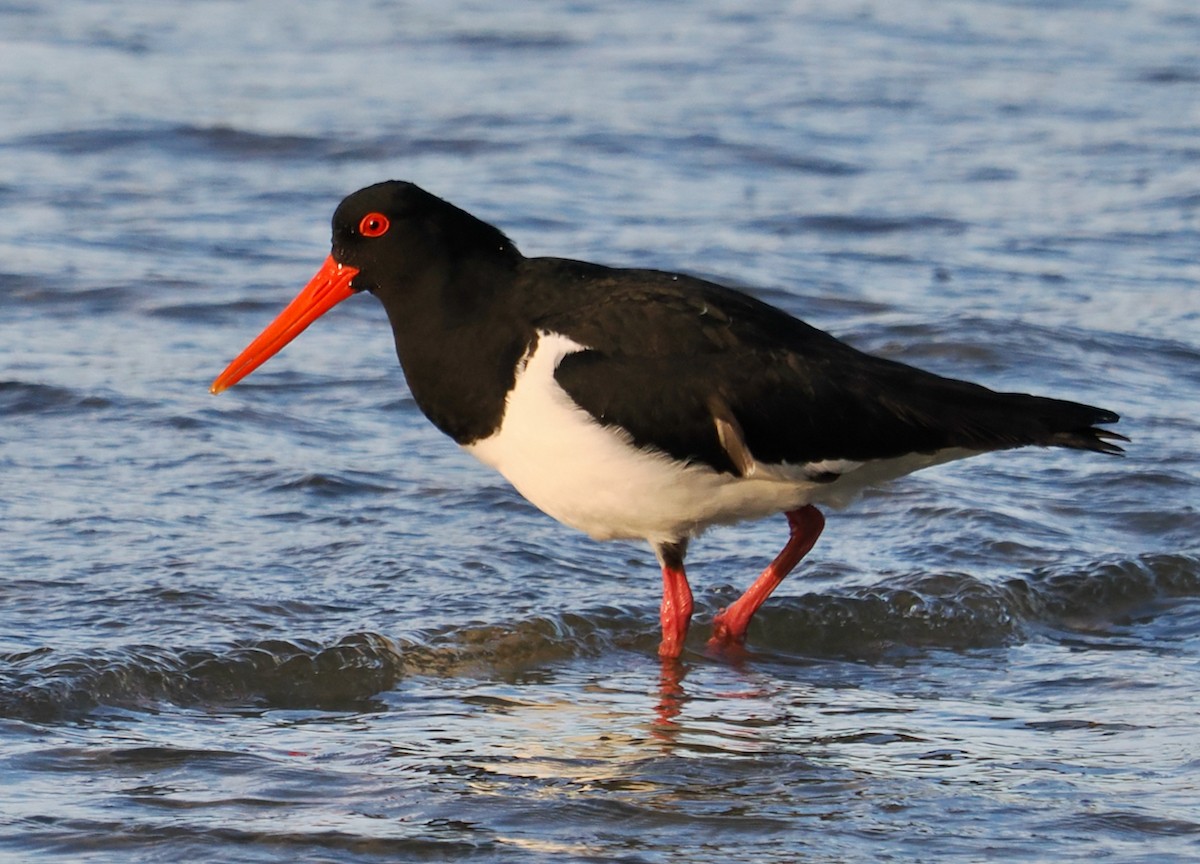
374 225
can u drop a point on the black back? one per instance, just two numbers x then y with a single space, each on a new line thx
671 352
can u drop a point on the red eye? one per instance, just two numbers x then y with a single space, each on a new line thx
374 225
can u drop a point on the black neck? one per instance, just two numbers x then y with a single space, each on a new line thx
459 340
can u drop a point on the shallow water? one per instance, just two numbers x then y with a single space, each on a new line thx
295 623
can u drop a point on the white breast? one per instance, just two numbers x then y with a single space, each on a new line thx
593 478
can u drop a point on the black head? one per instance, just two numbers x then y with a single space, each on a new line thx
396 234
415 252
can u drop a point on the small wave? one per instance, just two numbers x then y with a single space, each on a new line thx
914 612
21 397
958 611
1107 590
177 138
490 40
952 610
225 141
1169 75
291 673
269 673
333 485
195 314
51 290
759 154
841 223
507 650
715 148
1133 823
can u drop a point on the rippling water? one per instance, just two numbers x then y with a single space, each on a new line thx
294 623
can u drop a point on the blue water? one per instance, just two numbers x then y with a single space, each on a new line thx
295 623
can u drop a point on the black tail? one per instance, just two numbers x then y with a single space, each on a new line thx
1041 421
944 412
1075 426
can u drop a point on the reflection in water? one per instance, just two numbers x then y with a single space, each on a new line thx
671 698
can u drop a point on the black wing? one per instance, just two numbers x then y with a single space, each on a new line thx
693 369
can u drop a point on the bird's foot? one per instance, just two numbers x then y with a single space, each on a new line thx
728 641
724 632
671 647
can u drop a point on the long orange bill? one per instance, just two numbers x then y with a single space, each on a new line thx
328 288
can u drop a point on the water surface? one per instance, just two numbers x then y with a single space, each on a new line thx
295 623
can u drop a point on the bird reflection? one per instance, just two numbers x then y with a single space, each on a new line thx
671 698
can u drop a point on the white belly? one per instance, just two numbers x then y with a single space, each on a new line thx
592 478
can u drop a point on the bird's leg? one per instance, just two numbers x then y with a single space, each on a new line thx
729 625
676 613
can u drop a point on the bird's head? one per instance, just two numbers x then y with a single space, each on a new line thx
387 238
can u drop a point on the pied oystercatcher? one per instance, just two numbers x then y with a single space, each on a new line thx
634 403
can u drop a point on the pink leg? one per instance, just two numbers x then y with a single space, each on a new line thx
676 613
729 626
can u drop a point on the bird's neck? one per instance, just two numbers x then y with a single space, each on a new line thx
458 340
